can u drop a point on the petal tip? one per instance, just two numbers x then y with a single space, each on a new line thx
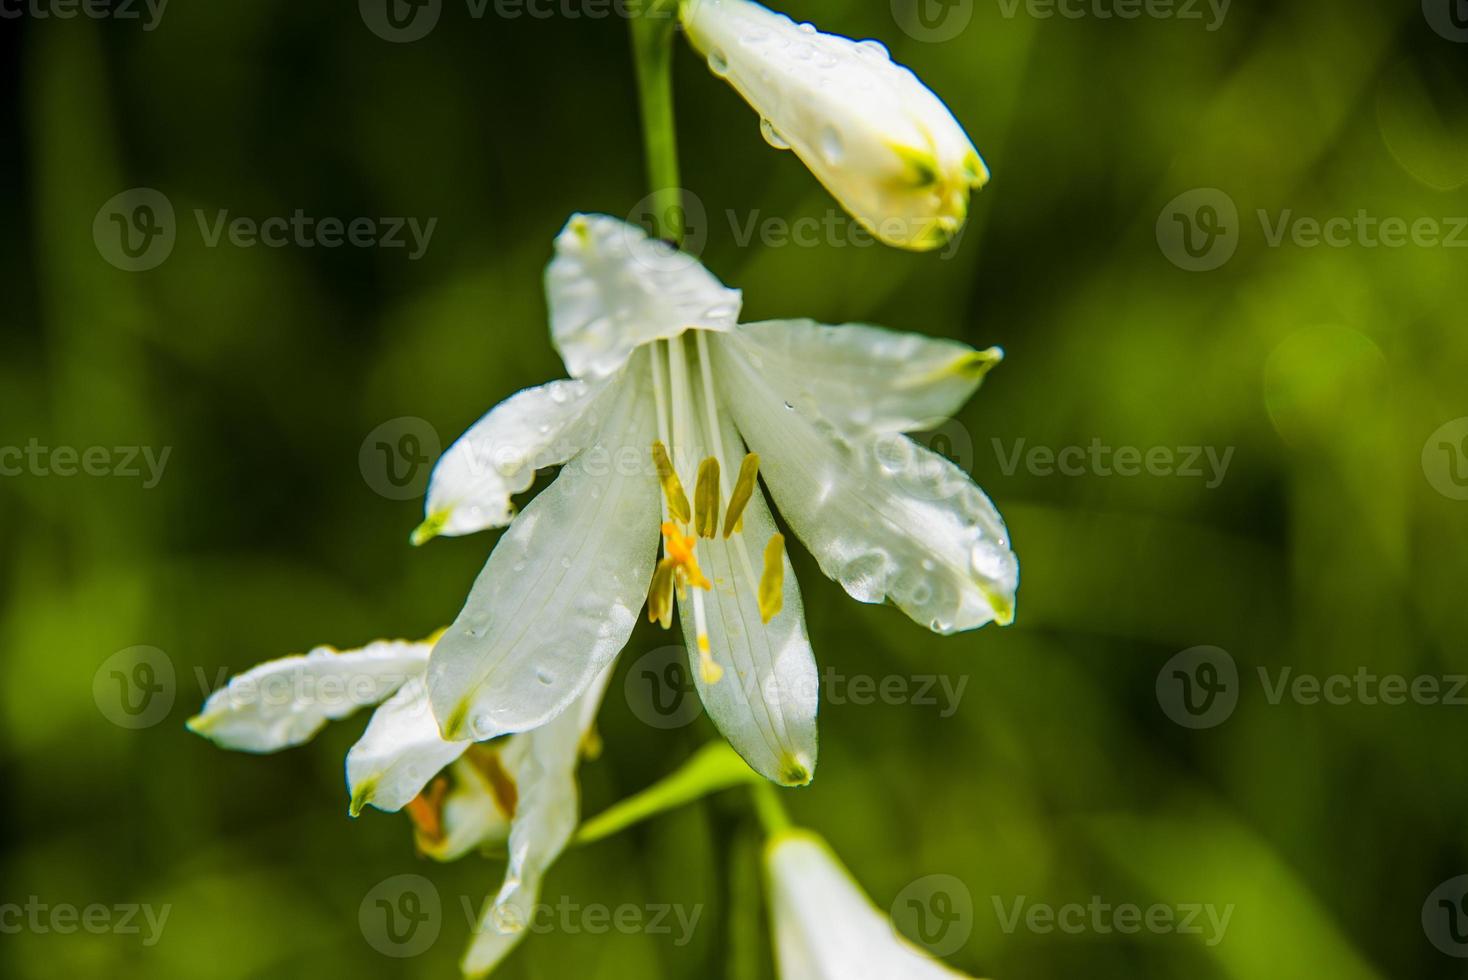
361 796
796 771
431 528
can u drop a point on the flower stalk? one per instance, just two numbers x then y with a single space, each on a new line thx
652 54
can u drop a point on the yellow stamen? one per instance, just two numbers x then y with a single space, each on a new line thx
680 551
660 598
706 499
772 582
743 491
672 486
426 811
708 667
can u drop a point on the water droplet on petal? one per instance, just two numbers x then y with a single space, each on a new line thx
718 64
874 49
808 27
831 146
481 725
767 130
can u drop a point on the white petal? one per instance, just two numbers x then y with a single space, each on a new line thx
885 517
826 928
863 378
400 751
561 592
543 765
498 456
286 702
765 704
872 133
612 289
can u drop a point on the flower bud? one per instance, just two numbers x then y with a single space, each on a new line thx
871 132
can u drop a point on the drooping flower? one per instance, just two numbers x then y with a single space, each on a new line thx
675 414
880 140
518 792
826 928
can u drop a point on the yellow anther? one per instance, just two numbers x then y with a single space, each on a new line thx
706 499
660 597
708 667
772 582
672 486
743 491
680 551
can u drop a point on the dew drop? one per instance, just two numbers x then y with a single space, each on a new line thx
718 64
832 149
808 27
481 725
545 677
559 395
767 130
874 49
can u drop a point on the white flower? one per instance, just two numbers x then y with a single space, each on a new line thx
881 141
666 376
520 791
826 928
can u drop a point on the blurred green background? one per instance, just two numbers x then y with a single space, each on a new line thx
1331 544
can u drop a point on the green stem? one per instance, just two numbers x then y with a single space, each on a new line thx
652 49
769 809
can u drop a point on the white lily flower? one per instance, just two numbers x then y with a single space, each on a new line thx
520 791
880 140
675 393
826 928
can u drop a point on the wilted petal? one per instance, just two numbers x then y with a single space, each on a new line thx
826 928
286 702
543 765
880 141
765 703
400 751
473 483
863 378
885 517
561 592
612 289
